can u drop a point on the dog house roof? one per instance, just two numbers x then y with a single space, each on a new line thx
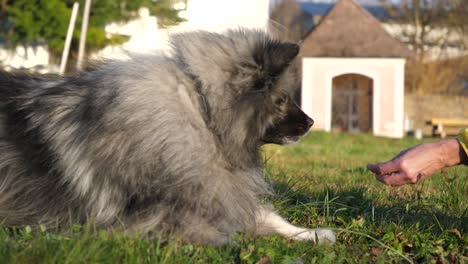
350 31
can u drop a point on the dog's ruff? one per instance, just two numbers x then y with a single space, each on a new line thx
161 146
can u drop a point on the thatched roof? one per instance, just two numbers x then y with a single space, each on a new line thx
350 31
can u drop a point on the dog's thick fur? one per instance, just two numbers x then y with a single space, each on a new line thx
159 145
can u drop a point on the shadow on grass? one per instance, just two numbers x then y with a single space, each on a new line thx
349 203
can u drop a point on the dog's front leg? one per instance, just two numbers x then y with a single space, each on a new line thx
269 222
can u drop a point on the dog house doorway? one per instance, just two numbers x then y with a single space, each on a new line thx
352 97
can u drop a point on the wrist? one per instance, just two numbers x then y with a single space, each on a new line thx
450 152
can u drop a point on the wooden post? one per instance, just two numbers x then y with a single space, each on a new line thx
66 48
84 28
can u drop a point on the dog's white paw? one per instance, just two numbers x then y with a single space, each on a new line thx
325 237
320 236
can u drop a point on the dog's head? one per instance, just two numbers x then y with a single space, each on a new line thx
249 82
290 128
273 93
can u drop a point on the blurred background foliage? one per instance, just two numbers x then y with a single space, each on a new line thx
45 22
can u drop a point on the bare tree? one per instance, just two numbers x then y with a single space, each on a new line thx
3 5
418 20
457 19
428 26
286 20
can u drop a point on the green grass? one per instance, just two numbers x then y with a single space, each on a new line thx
321 182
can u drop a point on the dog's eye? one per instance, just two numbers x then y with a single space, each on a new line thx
281 101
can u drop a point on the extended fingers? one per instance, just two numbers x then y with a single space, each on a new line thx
399 178
384 167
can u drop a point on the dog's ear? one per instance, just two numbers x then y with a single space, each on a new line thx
275 56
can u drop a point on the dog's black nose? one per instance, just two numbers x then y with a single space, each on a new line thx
305 125
309 122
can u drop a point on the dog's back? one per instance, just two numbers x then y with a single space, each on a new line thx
93 144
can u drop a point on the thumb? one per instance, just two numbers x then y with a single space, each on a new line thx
384 168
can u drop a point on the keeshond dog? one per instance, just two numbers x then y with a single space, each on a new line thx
163 146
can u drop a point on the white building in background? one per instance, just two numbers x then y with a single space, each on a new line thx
34 58
212 15
218 15
145 35
353 74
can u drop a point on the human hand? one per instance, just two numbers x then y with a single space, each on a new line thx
417 163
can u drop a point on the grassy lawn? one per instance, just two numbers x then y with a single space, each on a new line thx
321 182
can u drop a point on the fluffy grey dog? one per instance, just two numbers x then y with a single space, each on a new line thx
166 146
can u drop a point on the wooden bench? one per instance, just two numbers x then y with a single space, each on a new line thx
446 126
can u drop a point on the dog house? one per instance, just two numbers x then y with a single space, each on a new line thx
353 74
